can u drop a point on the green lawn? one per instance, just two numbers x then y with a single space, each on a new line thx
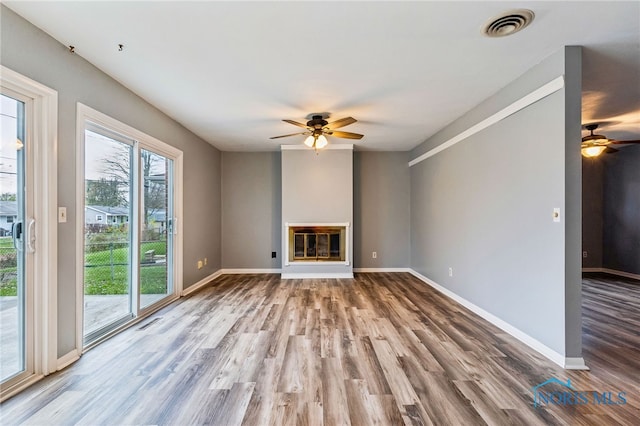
6 242
100 277
105 271
108 280
121 255
9 288
8 282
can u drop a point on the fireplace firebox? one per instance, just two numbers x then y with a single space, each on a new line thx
317 243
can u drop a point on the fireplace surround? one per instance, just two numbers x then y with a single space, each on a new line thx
317 243
317 197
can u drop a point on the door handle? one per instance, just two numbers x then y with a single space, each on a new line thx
31 235
16 234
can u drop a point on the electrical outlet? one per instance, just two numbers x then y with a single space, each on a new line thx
556 214
450 271
200 265
273 254
585 254
205 260
374 255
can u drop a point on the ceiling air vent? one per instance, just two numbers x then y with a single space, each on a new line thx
508 23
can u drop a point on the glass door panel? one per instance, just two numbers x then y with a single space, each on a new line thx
156 230
108 234
13 244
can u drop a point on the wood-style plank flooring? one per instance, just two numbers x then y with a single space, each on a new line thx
380 349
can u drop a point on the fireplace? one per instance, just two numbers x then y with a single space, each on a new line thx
317 212
317 243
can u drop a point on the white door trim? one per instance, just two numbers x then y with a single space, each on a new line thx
44 141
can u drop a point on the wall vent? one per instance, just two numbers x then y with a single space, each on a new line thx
508 23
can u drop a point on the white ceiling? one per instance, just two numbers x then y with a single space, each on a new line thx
231 71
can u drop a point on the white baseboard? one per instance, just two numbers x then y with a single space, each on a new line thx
575 363
203 282
249 271
301 275
366 270
68 359
613 272
561 360
206 280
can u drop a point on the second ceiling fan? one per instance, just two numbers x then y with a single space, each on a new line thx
594 145
318 127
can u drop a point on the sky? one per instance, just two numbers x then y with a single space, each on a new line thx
8 132
97 148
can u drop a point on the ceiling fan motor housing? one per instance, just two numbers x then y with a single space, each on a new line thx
594 140
317 122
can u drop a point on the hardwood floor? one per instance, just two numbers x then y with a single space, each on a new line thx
381 349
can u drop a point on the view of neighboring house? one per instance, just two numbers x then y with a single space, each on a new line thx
93 215
8 215
157 220
107 215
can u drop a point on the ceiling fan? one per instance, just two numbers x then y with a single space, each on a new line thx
318 127
594 145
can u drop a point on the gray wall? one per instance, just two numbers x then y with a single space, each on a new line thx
621 210
592 211
252 218
31 52
316 188
484 208
381 209
251 210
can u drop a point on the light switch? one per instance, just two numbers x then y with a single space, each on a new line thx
62 214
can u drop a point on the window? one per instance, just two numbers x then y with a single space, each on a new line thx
9 219
98 218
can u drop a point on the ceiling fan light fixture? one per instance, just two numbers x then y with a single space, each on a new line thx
321 142
310 141
592 151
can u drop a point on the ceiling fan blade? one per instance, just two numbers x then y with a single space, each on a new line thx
295 123
610 150
346 135
624 142
292 134
341 123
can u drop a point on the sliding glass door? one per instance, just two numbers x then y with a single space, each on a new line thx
108 235
16 316
129 228
28 231
156 231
